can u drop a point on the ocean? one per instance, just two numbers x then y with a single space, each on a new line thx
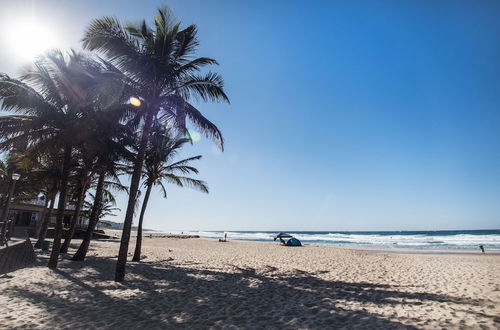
432 240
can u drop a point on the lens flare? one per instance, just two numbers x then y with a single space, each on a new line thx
195 136
135 101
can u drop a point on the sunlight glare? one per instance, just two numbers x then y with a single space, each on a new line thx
27 39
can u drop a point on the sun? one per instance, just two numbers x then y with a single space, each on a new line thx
27 39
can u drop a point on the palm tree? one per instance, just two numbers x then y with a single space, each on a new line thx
164 76
111 151
7 167
4 182
55 98
4 173
50 197
82 181
43 173
159 167
50 101
107 138
108 206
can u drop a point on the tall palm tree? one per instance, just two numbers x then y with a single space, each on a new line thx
111 152
50 196
43 171
82 250
82 180
164 75
4 182
3 173
50 105
54 97
159 168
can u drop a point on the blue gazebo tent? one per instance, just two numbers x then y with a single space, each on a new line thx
293 242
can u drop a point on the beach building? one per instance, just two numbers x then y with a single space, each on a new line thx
28 214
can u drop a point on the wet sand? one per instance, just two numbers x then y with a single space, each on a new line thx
430 252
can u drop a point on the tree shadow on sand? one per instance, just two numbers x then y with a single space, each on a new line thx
169 295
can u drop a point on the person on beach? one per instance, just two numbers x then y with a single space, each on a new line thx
282 241
482 248
225 237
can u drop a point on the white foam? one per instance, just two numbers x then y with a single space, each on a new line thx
458 241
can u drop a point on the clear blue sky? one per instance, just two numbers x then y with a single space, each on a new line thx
345 115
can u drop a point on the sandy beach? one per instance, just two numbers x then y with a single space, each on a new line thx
201 283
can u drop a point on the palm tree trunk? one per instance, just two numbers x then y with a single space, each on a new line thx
134 187
74 220
38 226
94 218
56 247
138 244
46 221
3 200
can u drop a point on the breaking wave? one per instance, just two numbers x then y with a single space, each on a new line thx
453 240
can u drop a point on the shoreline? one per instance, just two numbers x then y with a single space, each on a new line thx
463 241
377 249
373 249
431 252
425 251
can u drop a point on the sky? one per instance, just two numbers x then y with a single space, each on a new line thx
344 115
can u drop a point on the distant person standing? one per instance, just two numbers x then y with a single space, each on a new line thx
225 237
482 248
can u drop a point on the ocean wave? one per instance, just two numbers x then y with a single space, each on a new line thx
426 240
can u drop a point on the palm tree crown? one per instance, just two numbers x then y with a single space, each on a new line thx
160 65
159 165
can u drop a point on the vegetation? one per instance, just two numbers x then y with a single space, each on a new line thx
81 121
159 167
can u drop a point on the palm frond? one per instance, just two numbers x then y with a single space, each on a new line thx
195 65
183 181
107 36
187 43
19 97
182 165
205 126
209 87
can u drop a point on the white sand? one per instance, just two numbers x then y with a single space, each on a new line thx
201 283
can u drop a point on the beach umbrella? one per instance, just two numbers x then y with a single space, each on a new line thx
282 235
